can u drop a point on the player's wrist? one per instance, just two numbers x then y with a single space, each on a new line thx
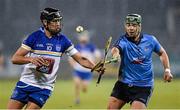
30 60
167 70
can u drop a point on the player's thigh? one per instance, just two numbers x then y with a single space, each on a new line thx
115 103
14 104
32 105
77 77
38 98
141 97
77 80
138 105
19 96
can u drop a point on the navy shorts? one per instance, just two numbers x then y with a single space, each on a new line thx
24 93
83 75
130 93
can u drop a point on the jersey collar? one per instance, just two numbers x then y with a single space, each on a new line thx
131 40
41 29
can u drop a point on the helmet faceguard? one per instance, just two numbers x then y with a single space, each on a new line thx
49 15
133 18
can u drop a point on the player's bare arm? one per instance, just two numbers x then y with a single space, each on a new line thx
20 58
71 62
83 61
165 61
115 52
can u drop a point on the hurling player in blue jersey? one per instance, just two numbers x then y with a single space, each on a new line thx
136 79
81 75
41 54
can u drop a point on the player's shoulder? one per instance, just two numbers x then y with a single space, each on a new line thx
122 38
64 39
148 36
36 34
63 36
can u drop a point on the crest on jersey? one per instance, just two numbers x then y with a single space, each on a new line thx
49 48
58 48
146 49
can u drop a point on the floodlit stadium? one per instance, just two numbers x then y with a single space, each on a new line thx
104 22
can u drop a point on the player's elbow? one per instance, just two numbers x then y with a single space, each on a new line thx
14 60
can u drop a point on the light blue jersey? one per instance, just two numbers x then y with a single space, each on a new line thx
136 59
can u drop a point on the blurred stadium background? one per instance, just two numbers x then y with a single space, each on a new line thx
103 18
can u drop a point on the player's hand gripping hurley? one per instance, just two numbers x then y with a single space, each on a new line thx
102 63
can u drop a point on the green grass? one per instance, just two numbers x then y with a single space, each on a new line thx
165 95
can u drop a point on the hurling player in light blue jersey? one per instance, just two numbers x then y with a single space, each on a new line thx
81 75
41 54
136 79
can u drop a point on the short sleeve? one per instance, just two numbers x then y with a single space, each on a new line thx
157 45
69 47
118 44
28 42
71 51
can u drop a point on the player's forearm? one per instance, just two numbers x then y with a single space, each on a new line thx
86 63
115 52
20 60
165 60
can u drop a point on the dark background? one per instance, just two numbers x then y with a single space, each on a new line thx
103 18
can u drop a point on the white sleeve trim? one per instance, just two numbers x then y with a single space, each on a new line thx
26 47
71 51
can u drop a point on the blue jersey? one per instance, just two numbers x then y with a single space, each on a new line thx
88 51
136 59
87 47
38 44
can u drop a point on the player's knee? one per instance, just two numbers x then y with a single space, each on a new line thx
77 85
84 89
115 103
13 104
32 105
112 103
109 107
138 105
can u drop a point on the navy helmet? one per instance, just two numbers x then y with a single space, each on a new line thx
50 13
